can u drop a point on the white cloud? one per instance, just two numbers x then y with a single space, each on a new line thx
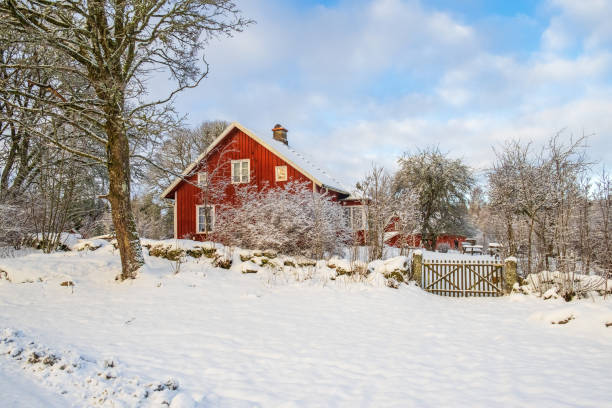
587 21
367 80
470 138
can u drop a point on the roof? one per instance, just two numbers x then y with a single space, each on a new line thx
299 161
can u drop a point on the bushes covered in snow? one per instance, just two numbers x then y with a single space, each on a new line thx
552 285
292 220
274 267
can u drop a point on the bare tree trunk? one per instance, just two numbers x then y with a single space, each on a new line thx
128 242
529 248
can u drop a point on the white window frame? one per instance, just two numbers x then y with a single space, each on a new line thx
352 209
202 175
276 174
213 217
248 175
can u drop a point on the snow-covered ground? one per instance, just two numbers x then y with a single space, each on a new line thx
227 339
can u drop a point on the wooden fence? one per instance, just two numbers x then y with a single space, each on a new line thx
459 278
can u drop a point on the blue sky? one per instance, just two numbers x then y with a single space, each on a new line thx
363 81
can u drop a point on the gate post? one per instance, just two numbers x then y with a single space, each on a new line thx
510 276
417 266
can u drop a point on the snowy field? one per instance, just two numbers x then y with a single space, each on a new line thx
211 337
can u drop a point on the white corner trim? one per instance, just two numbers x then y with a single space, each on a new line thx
175 216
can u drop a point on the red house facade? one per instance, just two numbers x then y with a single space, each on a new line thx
239 157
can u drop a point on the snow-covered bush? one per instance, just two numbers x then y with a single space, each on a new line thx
291 220
12 233
566 285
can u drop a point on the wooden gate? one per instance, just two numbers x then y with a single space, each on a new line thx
459 278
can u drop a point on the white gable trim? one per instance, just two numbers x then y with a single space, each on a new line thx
252 135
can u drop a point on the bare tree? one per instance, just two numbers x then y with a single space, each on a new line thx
50 202
113 47
386 209
151 219
442 185
177 150
408 220
540 201
20 153
518 188
603 221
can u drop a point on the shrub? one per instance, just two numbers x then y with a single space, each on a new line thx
291 220
223 263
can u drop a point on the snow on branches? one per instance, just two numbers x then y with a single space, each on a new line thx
293 220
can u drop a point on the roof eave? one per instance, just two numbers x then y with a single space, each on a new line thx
252 135
336 189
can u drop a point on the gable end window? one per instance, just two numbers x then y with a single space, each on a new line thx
205 218
280 173
203 179
241 171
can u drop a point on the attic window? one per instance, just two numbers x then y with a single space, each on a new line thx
241 171
280 173
203 179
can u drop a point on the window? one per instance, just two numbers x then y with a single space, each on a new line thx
355 217
241 171
205 218
203 179
280 173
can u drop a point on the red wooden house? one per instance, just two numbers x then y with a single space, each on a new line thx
239 157
396 239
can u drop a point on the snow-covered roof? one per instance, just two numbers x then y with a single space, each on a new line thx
390 234
299 161
303 163
355 197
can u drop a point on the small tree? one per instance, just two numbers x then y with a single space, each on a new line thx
603 222
442 186
540 201
152 221
386 209
177 150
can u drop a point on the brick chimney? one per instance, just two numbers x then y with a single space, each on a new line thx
280 133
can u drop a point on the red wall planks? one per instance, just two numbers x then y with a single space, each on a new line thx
235 146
